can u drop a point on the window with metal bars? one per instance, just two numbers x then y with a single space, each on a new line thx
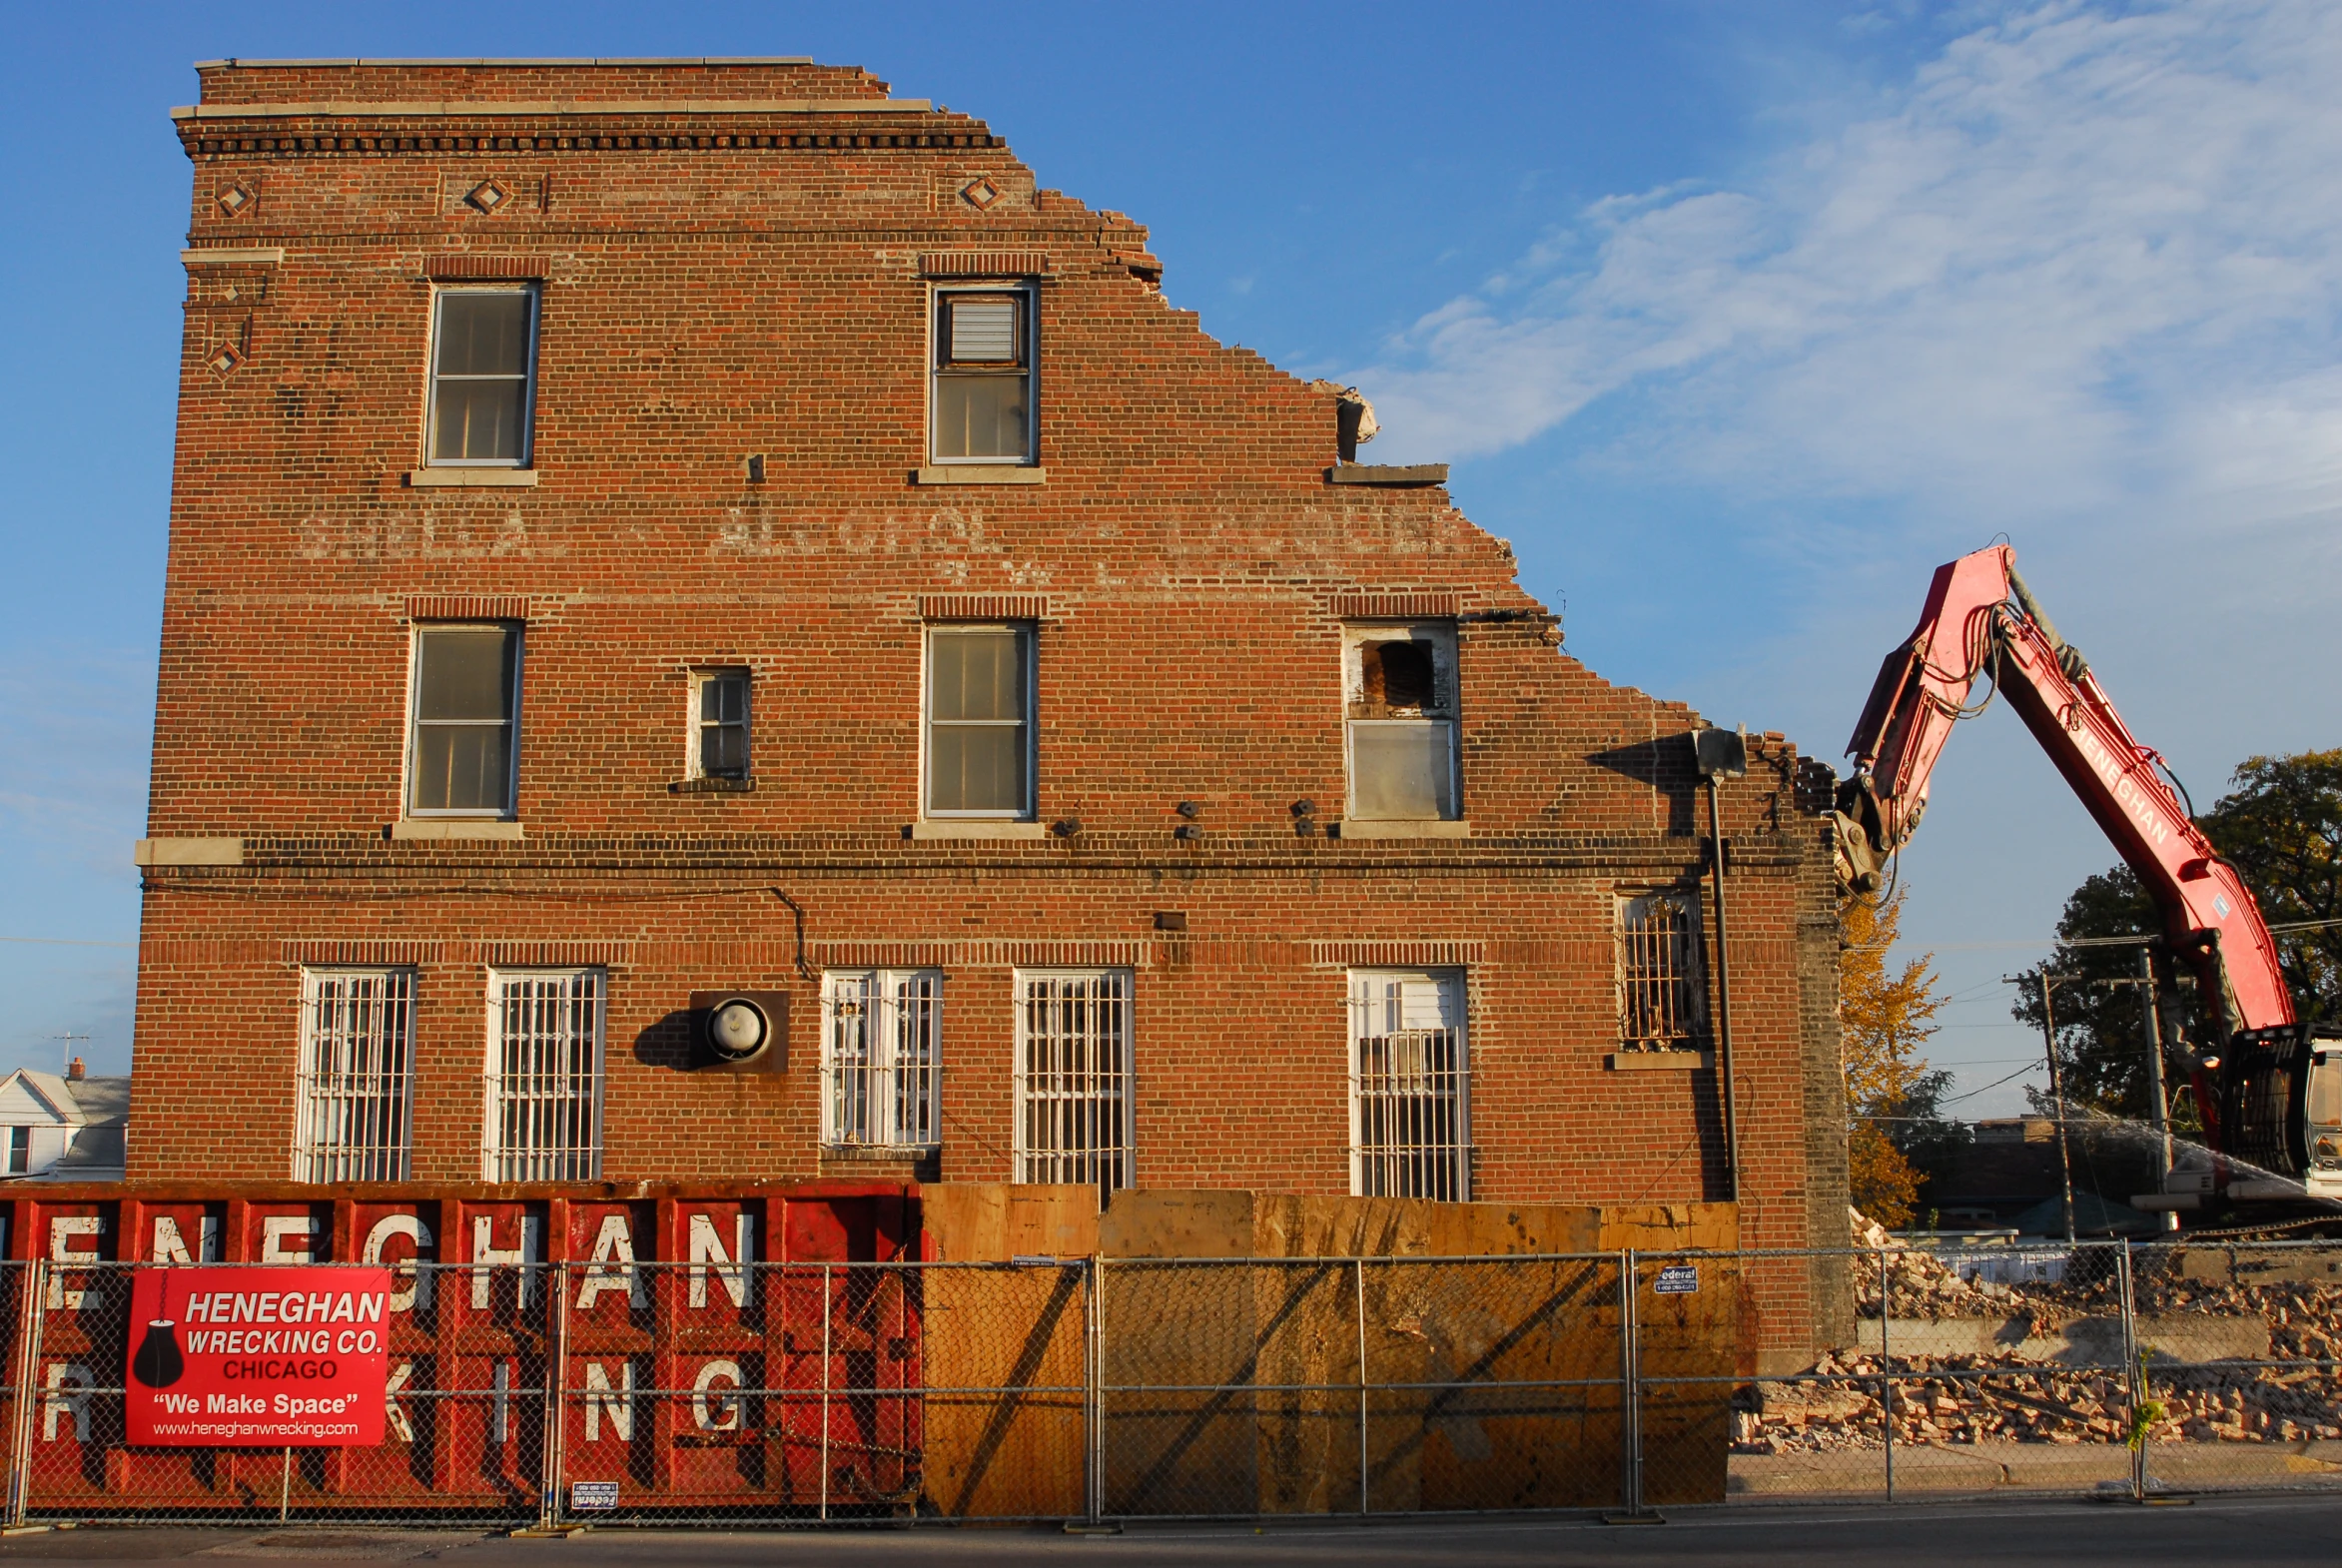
1662 1005
1410 1085
545 1078
881 1042
352 1117
1073 1076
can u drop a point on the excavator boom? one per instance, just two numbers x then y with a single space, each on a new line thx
1970 634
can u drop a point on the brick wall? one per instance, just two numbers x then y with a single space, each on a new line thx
736 259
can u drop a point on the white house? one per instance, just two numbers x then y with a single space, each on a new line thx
67 1128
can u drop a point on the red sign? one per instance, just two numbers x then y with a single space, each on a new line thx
258 1358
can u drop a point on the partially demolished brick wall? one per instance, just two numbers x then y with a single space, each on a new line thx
736 262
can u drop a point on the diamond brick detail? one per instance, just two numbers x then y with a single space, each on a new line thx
223 359
980 193
233 200
489 196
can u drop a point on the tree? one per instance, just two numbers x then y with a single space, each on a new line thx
1891 1098
2281 826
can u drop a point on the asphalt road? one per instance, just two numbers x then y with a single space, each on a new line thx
2256 1530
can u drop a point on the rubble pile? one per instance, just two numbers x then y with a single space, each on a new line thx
2004 1394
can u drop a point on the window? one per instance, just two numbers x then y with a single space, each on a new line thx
544 1102
483 361
466 699
1401 692
1410 1082
980 721
20 1151
719 724
357 1061
1661 1001
983 397
1073 1076
879 1057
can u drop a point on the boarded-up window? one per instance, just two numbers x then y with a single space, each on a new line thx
1402 722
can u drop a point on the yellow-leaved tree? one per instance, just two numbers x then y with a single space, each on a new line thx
1884 1020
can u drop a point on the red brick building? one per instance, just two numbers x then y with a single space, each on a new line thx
650 530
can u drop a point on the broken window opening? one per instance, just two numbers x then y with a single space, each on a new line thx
1400 685
1662 1005
720 725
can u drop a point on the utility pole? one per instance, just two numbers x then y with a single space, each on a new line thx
2058 1099
2155 1091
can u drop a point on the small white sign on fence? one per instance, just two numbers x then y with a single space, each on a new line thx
592 1496
1676 1279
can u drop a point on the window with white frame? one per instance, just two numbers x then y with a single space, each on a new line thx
1400 693
1073 1076
353 1121
719 724
980 688
1662 1005
463 721
881 1042
483 366
545 1076
1410 1085
980 404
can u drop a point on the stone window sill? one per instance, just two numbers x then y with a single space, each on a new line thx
1357 828
1387 474
430 828
977 828
1660 1061
187 852
429 479
980 473
709 786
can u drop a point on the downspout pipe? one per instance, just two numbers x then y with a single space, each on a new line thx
1723 754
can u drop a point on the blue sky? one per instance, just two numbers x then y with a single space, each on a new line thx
1737 319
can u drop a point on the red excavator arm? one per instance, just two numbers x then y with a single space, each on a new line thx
1970 630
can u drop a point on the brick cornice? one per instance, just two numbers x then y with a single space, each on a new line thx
713 132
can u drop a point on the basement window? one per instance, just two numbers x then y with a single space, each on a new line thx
981 403
1661 1004
545 1076
466 709
881 1036
1410 1085
719 724
1400 689
352 1116
1073 1078
483 373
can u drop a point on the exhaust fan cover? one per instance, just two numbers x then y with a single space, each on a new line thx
740 1030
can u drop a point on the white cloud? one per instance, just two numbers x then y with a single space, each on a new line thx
2083 255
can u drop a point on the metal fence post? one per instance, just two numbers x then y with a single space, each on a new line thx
1886 1371
555 1424
828 1309
1630 1365
1097 1378
1358 1283
20 1427
2136 1375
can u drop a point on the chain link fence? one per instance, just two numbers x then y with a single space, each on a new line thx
536 1395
